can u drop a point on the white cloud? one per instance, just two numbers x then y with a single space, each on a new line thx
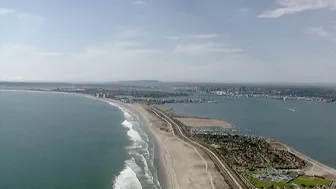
21 16
121 49
204 36
22 23
29 17
319 31
128 60
205 48
289 7
140 2
4 11
109 61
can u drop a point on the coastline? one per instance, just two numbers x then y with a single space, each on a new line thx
313 167
197 121
170 170
182 165
163 160
162 175
186 166
158 160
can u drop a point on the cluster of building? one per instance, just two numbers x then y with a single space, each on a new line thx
159 101
137 96
284 176
249 153
274 92
208 130
270 96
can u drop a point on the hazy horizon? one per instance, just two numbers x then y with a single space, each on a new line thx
269 41
177 82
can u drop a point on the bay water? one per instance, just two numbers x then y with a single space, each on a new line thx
309 127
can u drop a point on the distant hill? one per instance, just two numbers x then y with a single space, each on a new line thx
141 82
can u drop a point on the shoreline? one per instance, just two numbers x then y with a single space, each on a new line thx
163 178
313 166
162 175
145 119
197 121
186 166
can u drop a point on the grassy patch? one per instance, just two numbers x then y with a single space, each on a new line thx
311 181
302 180
260 184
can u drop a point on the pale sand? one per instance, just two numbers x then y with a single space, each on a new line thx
186 166
195 121
204 122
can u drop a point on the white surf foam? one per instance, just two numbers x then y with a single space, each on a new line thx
127 115
127 178
136 168
133 134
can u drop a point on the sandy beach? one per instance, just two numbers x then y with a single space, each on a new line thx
204 122
196 121
186 166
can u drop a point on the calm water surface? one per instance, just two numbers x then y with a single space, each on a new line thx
57 141
309 127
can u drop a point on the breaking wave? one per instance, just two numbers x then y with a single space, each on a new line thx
127 178
139 171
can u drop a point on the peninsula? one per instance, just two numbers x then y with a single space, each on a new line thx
202 153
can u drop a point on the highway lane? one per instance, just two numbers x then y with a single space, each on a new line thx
233 179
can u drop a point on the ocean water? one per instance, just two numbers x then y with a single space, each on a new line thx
309 127
55 141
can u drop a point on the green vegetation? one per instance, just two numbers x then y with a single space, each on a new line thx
302 181
260 184
311 181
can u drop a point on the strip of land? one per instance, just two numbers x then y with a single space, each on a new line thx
313 167
195 121
186 166
204 122
189 157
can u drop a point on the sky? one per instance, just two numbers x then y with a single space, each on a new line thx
170 40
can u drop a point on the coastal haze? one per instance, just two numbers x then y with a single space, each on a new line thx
145 94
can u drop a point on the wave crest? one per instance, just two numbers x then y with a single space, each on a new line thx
139 171
127 178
